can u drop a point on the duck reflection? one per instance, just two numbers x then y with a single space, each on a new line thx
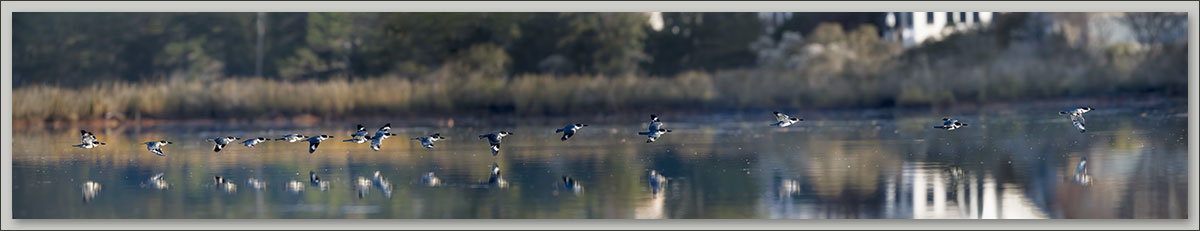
788 188
495 180
383 185
362 185
657 182
431 180
295 186
315 180
224 184
1081 175
570 185
256 184
90 189
156 182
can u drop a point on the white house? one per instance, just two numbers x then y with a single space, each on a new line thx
914 28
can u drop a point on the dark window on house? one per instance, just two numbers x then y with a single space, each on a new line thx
949 18
929 18
962 16
975 17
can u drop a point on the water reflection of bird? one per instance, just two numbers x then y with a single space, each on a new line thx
224 184
1076 115
156 182
430 180
788 187
90 189
950 124
784 120
383 185
569 130
654 130
315 180
359 136
1081 175
494 139
363 185
427 141
658 182
295 186
569 184
494 179
256 184
88 140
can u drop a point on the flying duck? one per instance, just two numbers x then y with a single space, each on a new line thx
315 141
655 129
784 120
1076 115
255 141
569 130
427 141
950 124
156 147
292 138
359 136
495 139
88 140
380 134
220 142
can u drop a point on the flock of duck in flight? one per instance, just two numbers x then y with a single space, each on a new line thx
654 131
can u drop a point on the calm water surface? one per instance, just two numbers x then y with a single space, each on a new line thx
1003 165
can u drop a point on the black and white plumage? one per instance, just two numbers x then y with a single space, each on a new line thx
784 120
156 146
359 136
950 124
255 141
494 139
315 141
654 130
382 133
657 181
220 142
88 140
1076 115
427 141
569 130
292 138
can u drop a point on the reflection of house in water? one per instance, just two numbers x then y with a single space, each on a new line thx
914 28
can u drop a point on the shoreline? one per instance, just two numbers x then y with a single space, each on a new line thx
449 121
